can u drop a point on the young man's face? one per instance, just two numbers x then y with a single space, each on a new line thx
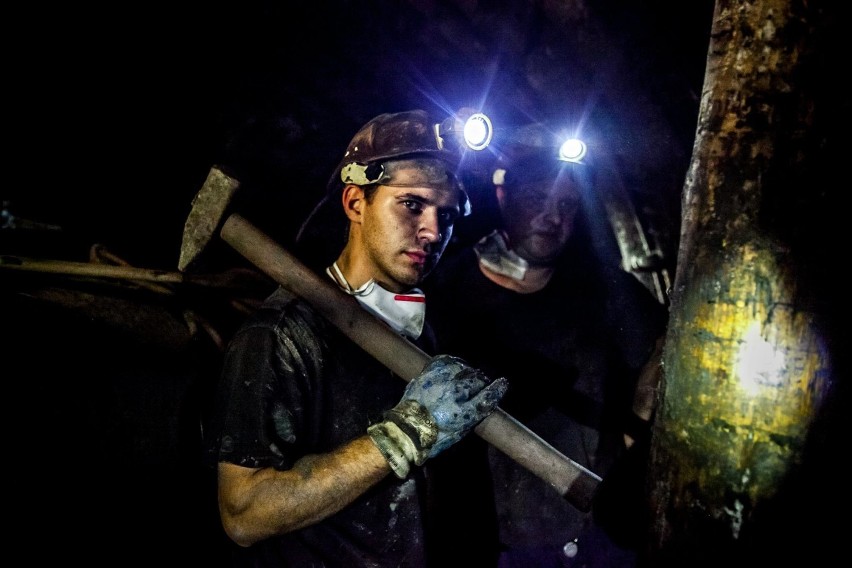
538 217
405 231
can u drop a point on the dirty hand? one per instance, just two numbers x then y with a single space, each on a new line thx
439 407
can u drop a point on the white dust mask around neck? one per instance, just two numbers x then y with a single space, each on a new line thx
405 313
494 254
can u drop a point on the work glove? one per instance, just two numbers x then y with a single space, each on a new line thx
439 407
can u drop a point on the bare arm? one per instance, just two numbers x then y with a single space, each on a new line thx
255 504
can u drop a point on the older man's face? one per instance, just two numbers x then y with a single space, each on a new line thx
539 217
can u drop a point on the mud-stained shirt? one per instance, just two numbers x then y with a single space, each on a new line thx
572 352
292 384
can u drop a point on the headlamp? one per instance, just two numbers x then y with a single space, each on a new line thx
467 129
572 150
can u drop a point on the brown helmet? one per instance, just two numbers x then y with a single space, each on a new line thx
397 135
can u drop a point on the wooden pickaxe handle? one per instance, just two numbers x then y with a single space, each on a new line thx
574 482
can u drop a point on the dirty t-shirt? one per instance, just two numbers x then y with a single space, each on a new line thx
292 385
572 352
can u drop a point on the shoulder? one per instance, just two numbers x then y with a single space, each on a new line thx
280 307
636 315
283 314
634 293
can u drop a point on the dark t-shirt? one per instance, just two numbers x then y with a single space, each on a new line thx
293 384
572 353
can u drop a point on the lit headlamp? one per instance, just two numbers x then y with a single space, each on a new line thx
572 150
467 129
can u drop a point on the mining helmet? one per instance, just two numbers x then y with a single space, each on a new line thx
396 135
409 135
536 151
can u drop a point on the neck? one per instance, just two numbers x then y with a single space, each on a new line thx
354 271
535 278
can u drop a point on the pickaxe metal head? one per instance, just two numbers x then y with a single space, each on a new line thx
209 210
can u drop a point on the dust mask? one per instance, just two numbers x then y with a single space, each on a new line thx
405 313
494 254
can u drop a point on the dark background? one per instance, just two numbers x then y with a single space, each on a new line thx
118 113
115 114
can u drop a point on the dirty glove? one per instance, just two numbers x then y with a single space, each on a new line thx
439 407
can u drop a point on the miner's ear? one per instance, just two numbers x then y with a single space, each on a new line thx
353 200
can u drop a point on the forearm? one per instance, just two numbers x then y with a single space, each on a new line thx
255 504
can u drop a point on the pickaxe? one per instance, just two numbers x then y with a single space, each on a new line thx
210 216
